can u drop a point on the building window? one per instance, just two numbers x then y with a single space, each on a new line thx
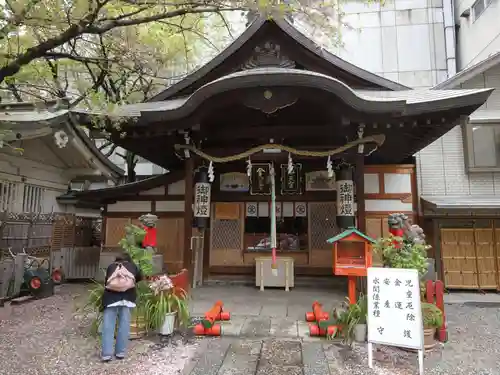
33 198
291 233
8 194
479 7
482 146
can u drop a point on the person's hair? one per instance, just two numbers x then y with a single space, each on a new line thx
123 257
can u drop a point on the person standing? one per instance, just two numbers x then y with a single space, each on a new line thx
118 299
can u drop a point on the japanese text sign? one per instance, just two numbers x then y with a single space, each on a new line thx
394 311
345 198
202 199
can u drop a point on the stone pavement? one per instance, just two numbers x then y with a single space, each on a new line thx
268 313
274 356
489 299
267 335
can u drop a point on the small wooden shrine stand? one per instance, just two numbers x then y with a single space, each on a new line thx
352 256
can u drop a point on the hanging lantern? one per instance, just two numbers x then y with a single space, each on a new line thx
345 198
202 193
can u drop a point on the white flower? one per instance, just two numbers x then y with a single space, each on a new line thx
61 138
161 284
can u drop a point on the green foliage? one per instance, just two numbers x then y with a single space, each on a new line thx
94 306
351 315
397 252
167 302
432 316
132 244
149 307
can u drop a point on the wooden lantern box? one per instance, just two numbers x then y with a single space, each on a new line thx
352 253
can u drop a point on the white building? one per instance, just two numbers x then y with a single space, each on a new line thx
34 171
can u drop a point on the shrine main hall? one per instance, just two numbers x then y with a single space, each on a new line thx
272 112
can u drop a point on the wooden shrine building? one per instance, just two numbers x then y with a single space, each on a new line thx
319 121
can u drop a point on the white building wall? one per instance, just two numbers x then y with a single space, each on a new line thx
402 40
47 182
441 166
478 37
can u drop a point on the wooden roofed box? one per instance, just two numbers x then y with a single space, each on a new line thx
352 253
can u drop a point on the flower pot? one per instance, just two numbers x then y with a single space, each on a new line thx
429 340
360 332
168 325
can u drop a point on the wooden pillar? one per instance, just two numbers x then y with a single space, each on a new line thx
360 191
361 214
188 215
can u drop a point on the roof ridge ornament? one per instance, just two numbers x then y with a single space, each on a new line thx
268 54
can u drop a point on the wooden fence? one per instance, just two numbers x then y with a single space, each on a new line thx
64 241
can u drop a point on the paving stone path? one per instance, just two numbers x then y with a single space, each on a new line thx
257 345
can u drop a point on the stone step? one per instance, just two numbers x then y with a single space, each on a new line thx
300 282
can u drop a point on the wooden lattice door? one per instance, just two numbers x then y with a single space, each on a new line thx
226 240
322 226
469 258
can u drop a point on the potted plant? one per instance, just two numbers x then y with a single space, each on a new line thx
432 318
352 320
359 311
165 305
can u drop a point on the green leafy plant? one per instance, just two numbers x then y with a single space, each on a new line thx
351 315
432 316
94 306
397 252
164 303
132 244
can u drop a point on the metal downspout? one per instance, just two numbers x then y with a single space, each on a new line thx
450 37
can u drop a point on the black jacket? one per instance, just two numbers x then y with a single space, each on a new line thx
110 296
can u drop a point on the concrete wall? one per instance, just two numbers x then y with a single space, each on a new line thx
441 165
477 37
402 40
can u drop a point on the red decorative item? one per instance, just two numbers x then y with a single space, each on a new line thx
352 256
317 314
434 293
181 282
150 237
397 232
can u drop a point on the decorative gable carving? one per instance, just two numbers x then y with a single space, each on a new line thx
268 54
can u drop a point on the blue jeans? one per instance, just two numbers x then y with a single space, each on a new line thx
110 316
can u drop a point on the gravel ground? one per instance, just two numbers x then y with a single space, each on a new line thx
48 337
473 349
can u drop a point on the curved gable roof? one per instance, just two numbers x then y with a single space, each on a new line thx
41 118
195 79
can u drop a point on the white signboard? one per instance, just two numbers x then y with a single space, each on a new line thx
345 198
202 199
394 310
